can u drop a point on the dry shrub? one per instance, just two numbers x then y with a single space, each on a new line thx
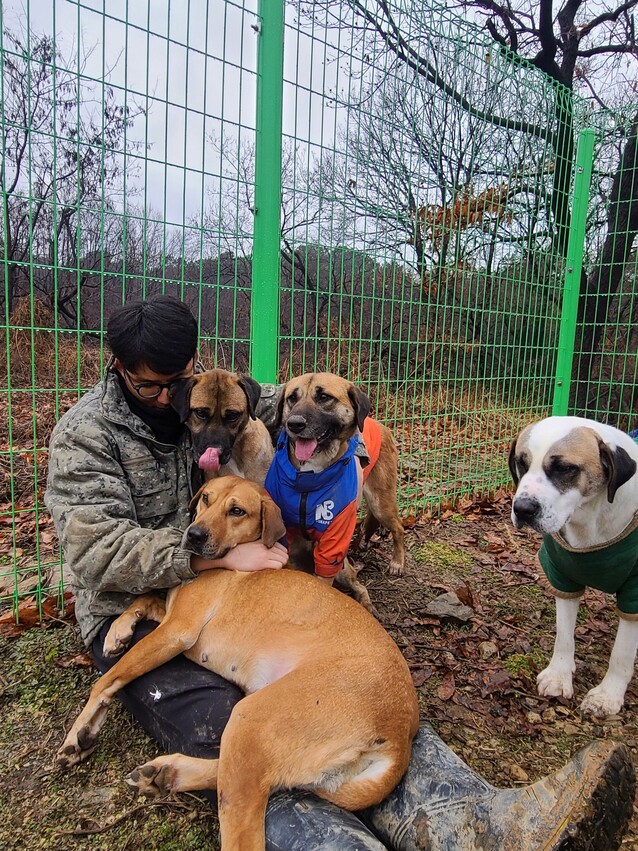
23 455
340 352
41 356
41 378
28 343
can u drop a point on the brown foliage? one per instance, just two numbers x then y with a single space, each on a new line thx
467 210
41 356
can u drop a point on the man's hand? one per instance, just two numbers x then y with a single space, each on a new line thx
246 558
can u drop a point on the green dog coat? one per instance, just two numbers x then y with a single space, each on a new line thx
612 569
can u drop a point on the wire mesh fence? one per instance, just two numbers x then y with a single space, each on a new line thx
422 245
605 374
426 212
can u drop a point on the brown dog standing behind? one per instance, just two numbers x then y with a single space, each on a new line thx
228 439
320 414
316 715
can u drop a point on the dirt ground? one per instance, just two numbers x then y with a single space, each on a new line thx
476 684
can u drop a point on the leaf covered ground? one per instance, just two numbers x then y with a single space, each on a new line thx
476 684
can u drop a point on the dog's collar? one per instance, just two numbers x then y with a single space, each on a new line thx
628 530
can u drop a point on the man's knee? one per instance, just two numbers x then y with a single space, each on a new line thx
180 704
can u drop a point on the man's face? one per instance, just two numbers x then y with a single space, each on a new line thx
152 388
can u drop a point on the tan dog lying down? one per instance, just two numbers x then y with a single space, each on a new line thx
330 703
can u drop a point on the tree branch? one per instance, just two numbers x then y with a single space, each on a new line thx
607 17
397 45
607 48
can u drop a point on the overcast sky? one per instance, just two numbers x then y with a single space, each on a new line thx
187 94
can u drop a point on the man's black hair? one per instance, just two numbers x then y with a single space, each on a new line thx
159 333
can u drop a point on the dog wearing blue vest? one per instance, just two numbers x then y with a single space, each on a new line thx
330 453
577 486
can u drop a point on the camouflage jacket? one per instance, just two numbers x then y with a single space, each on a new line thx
119 501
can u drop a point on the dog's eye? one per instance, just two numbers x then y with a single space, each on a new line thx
522 466
566 469
322 396
200 413
236 511
232 416
205 498
292 398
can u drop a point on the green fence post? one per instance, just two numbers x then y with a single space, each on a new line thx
266 262
575 251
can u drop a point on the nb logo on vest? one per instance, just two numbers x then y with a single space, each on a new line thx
323 512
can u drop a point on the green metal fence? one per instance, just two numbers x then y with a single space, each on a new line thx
373 189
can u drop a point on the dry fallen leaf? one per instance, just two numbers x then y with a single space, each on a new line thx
81 660
447 687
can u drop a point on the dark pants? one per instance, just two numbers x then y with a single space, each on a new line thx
185 708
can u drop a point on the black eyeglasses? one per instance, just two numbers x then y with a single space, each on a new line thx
151 389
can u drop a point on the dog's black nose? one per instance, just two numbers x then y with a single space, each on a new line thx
196 536
526 509
296 424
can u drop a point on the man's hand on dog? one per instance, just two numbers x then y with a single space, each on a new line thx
246 558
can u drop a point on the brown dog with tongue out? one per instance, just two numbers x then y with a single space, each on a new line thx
228 439
320 470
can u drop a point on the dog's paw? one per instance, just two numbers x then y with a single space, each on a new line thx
153 779
114 647
76 747
118 637
553 682
362 597
601 702
396 568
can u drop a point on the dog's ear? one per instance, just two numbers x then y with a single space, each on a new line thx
193 503
252 389
272 525
512 462
360 403
280 407
181 397
618 467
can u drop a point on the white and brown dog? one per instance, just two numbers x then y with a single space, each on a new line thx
577 485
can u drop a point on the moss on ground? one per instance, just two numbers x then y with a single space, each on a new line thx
41 807
438 554
524 664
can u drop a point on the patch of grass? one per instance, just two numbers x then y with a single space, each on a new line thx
39 805
524 664
582 615
527 597
438 554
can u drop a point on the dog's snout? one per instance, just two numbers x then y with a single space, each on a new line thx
526 509
296 423
196 536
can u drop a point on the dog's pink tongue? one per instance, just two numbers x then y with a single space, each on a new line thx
304 447
210 460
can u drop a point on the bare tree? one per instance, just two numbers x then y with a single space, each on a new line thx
417 43
581 44
437 187
228 219
592 48
62 157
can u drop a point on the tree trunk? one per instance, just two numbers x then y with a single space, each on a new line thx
605 279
